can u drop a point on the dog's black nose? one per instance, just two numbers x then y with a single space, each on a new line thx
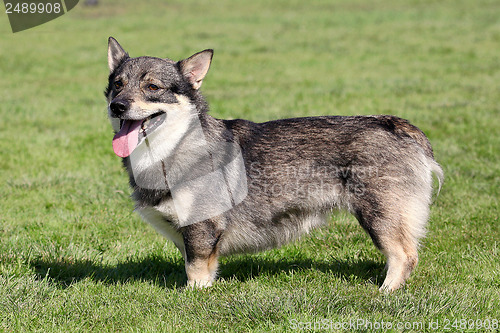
119 106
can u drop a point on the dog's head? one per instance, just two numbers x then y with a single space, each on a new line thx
143 91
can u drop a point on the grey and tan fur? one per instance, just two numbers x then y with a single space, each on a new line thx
379 168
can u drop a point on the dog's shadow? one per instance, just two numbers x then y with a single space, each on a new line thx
170 274
64 272
247 267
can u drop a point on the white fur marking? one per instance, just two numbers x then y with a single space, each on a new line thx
156 218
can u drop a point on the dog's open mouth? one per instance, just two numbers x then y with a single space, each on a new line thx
132 132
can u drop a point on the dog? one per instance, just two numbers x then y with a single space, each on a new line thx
216 187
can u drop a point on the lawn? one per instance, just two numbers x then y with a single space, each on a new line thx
73 255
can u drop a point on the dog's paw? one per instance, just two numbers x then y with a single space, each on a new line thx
391 286
199 284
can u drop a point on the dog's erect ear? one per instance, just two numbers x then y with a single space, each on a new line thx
116 54
196 67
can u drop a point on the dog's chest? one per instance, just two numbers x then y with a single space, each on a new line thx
164 219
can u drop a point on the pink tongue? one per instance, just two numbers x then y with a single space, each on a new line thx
127 139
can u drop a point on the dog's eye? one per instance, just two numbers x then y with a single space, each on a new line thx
118 84
153 87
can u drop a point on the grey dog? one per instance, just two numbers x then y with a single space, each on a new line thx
216 187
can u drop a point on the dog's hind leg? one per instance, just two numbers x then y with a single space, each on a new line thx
396 231
202 253
402 258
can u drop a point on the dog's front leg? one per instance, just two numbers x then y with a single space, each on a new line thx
201 243
201 272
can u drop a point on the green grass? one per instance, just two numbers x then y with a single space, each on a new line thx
73 255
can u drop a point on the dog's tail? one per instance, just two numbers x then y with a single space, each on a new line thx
438 172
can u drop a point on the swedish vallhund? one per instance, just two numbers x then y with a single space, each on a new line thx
216 187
